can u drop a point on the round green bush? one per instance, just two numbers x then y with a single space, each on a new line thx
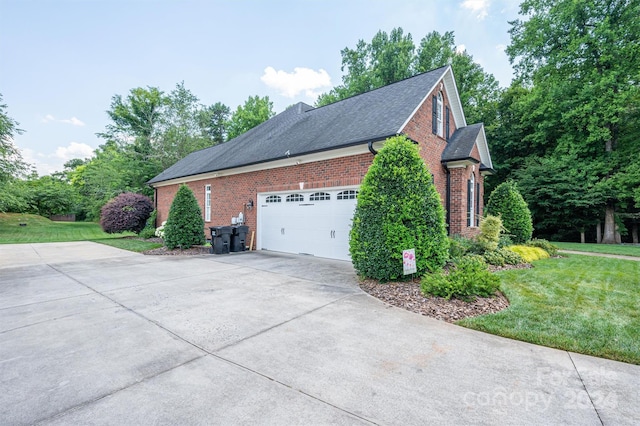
185 225
468 278
126 212
398 208
507 202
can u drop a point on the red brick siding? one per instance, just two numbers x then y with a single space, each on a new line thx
229 194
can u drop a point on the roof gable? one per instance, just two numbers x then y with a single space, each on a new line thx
461 145
303 129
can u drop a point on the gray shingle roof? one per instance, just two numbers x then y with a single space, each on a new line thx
302 129
461 143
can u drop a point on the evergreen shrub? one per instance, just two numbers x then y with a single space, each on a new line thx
529 254
507 202
185 225
149 230
126 212
502 256
545 245
467 278
490 229
398 208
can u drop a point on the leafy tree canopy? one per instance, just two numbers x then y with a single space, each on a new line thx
255 110
11 163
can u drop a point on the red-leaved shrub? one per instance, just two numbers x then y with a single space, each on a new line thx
126 212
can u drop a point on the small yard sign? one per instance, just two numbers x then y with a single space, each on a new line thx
409 261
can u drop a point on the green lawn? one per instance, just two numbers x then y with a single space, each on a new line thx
41 230
623 249
579 303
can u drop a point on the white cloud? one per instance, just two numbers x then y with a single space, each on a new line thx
460 49
501 48
300 80
481 7
49 163
74 121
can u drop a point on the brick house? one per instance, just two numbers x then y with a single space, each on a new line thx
295 177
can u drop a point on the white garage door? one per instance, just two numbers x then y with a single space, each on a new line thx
313 222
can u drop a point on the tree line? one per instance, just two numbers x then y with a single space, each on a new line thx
566 129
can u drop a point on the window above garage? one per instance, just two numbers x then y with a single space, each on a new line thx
295 198
347 195
319 196
273 199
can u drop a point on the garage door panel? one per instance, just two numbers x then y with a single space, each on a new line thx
317 226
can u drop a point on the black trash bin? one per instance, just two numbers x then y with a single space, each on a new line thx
239 237
220 239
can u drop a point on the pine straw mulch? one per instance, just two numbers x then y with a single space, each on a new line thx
407 295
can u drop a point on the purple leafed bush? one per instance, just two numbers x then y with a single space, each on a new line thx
126 212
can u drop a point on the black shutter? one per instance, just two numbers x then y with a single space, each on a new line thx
434 115
469 212
446 129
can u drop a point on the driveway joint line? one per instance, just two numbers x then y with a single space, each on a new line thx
207 352
113 392
584 386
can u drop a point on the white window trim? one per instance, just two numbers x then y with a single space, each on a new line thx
207 203
439 114
472 199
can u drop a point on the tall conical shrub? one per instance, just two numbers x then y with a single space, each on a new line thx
507 202
185 226
398 208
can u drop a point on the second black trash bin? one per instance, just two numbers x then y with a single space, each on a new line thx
220 239
239 237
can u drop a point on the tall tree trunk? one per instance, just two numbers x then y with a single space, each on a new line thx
599 233
582 238
609 236
634 233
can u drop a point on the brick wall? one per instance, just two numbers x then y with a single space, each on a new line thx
230 194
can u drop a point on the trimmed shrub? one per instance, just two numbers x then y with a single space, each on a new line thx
126 212
544 245
185 225
490 229
507 202
529 254
398 208
149 230
459 246
468 278
502 256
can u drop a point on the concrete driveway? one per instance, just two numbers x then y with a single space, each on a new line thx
90 334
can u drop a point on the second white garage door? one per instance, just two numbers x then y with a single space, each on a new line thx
313 222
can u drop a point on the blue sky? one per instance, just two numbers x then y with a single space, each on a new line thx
61 61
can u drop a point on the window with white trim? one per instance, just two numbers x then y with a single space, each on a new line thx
440 114
471 185
320 196
295 198
207 203
347 195
274 199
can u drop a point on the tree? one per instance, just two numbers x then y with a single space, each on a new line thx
392 57
255 110
506 202
214 122
398 208
581 60
11 162
185 225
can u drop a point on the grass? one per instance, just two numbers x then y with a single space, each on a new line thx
579 303
130 244
620 249
41 230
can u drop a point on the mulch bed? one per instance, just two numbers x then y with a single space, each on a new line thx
407 295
